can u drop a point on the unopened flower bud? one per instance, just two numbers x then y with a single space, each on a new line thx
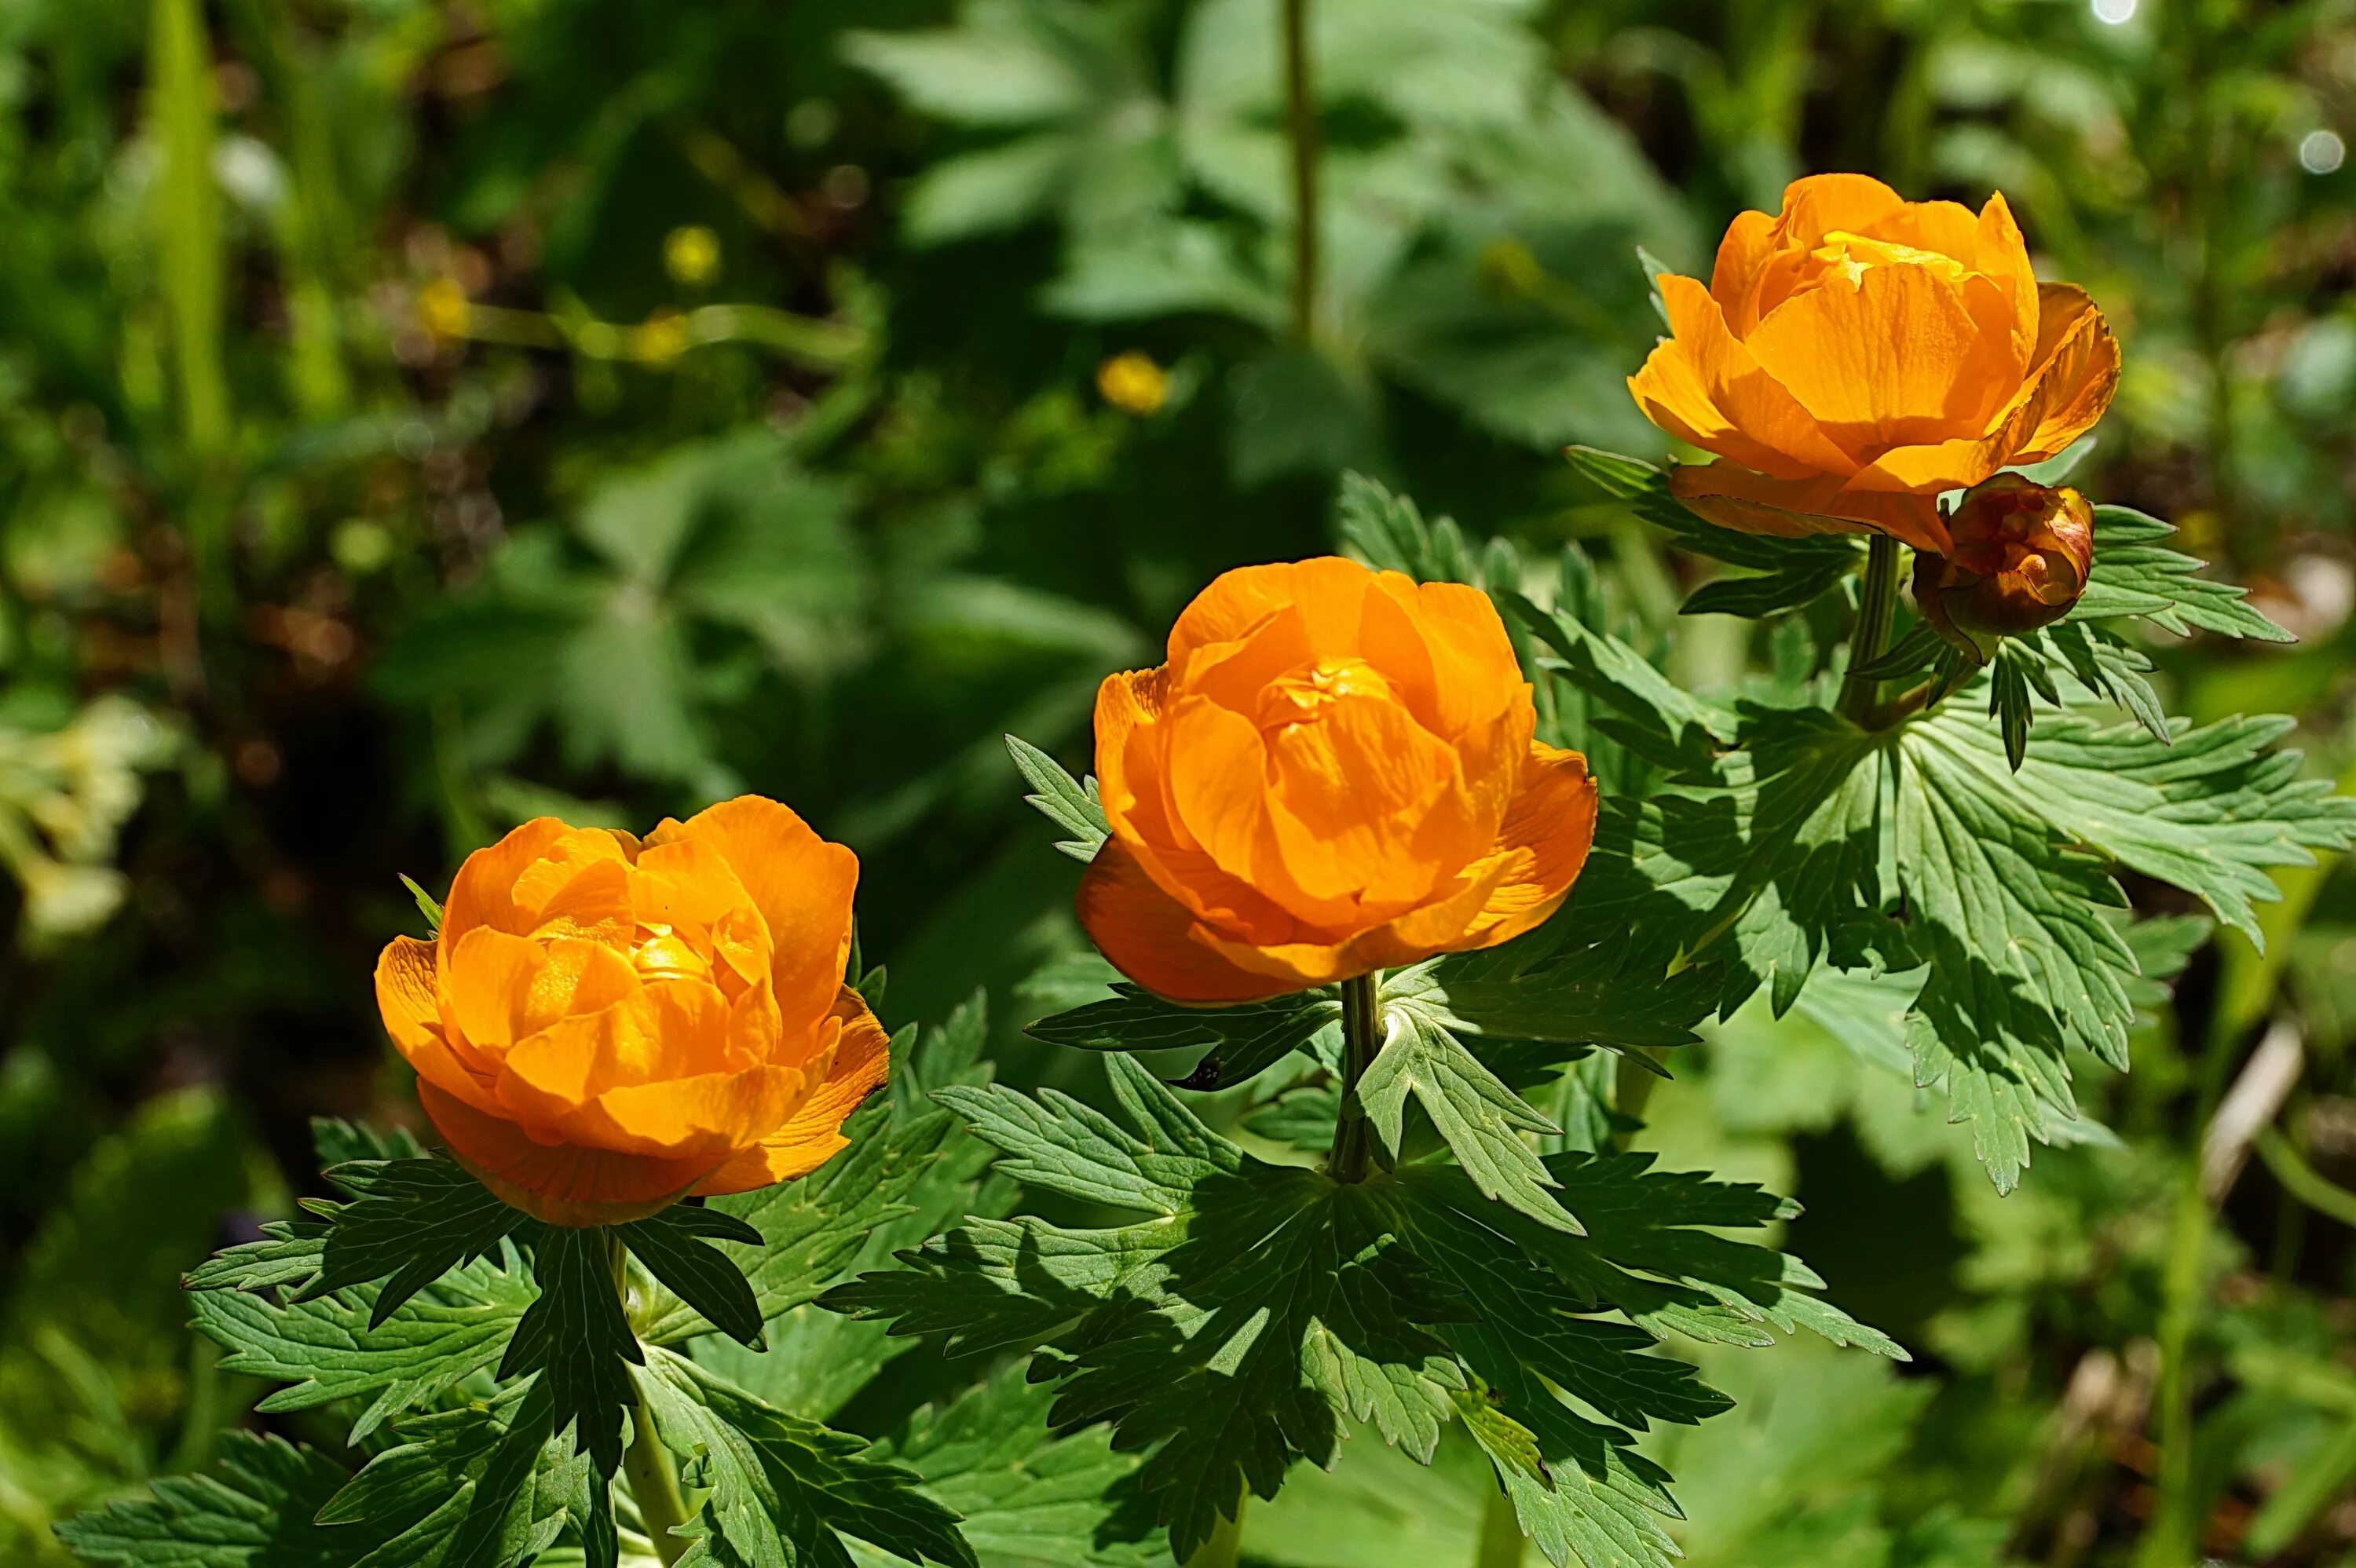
2021 554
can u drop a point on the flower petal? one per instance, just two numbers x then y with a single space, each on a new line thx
1546 838
801 884
562 1184
483 892
1153 939
813 1135
1736 497
1704 387
1897 356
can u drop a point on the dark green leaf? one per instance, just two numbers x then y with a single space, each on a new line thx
411 1218
1246 1041
253 1509
672 1245
576 1338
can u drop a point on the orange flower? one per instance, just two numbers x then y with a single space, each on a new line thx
603 1027
1859 355
1333 774
2020 558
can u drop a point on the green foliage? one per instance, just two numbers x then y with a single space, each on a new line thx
1260 1307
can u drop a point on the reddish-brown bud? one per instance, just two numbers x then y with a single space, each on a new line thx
2021 554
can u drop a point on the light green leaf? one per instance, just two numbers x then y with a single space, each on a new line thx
1481 1119
1062 799
253 1509
781 1488
2135 575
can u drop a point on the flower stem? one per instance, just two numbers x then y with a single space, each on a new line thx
1362 1038
1500 1534
1225 1547
653 1482
1875 611
1300 122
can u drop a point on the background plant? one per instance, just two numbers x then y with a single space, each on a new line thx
426 382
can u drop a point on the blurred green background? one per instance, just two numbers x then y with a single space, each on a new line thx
419 416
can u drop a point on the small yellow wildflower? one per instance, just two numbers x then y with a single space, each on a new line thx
441 308
1134 382
692 255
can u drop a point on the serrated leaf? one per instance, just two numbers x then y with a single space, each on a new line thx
427 905
1026 1498
780 1488
576 1338
489 1487
1481 1119
1390 533
672 1245
1057 1144
1563 985
334 1348
254 1508
414 1219
812 1227
1246 1041
1234 1335
2135 575
1652 715
1062 799
339 1142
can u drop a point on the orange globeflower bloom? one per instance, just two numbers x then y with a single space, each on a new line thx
1333 774
2022 555
1856 355
603 1027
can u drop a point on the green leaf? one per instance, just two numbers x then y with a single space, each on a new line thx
338 1142
811 1228
1062 800
427 905
1481 1119
1565 983
1645 490
254 1508
2026 960
1256 1308
2134 575
411 1218
673 1247
576 1338
1027 1497
781 1488
1390 533
2209 810
1650 715
336 1347
480 1488
487 1487
1245 1040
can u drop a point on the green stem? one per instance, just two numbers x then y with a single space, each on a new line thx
2303 1181
1225 1547
1300 122
653 1482
1500 1534
1875 610
1362 1038
2174 1532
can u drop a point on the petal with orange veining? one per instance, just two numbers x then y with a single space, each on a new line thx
1149 937
1736 497
813 1133
559 1183
801 884
1704 387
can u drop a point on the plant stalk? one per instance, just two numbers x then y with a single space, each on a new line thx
653 1481
2171 1540
1362 1038
1303 132
1225 1547
1500 1534
1876 608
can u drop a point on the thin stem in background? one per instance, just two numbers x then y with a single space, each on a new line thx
1362 1038
1225 1549
653 1482
1300 122
1875 610
1500 1534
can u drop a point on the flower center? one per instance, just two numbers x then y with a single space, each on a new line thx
663 954
1853 255
1301 695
